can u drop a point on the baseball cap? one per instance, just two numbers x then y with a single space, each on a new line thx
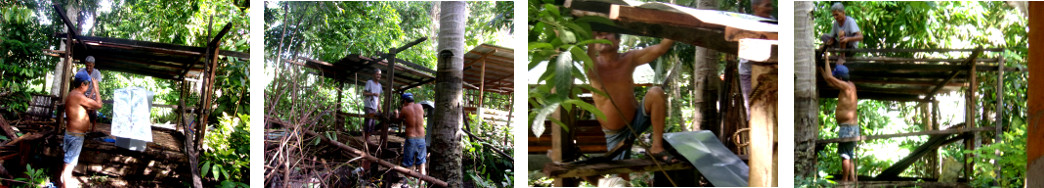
841 72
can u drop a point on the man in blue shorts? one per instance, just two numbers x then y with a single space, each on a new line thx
415 151
846 115
76 107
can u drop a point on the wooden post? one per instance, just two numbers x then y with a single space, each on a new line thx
66 68
561 146
969 119
387 101
999 111
482 92
1035 100
763 125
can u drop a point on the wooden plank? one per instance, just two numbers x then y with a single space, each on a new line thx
554 170
920 133
902 60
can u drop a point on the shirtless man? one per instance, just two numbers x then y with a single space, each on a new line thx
93 91
846 116
614 75
412 116
76 106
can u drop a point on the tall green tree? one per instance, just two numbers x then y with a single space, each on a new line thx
806 106
446 162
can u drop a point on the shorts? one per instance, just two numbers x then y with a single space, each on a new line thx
640 123
370 123
847 149
415 152
72 144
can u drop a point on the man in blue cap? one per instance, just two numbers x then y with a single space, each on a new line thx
93 90
846 115
414 150
77 105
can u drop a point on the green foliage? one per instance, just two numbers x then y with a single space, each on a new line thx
483 166
559 39
22 63
226 151
37 177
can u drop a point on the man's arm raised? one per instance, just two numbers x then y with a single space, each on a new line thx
648 54
829 78
90 103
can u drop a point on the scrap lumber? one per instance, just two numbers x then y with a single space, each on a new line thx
367 156
28 137
610 167
7 130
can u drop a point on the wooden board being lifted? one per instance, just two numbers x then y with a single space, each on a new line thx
713 29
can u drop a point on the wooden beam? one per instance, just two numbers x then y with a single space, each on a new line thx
901 60
933 143
953 74
164 47
883 136
900 50
569 170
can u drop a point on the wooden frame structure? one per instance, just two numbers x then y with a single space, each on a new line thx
159 60
487 68
920 80
747 36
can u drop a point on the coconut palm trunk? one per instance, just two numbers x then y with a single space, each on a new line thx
446 159
806 104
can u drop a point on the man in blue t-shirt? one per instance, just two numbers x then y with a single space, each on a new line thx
844 34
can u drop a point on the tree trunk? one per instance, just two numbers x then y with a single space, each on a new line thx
446 160
706 67
806 105
57 87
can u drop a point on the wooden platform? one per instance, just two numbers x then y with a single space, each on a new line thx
160 164
588 137
611 167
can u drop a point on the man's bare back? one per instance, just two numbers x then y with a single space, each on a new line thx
413 118
76 106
